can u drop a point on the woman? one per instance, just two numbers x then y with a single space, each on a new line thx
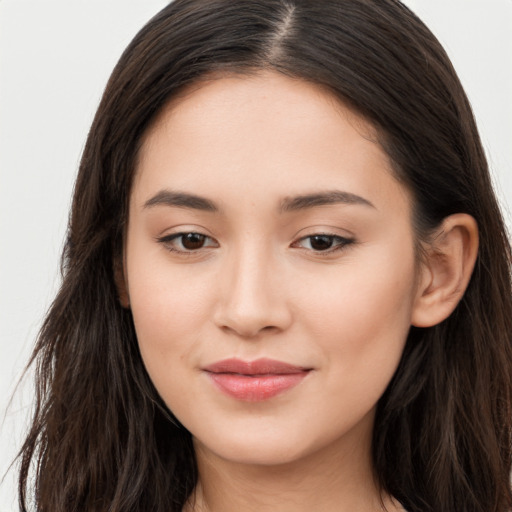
287 280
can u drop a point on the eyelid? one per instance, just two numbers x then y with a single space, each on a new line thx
168 239
342 242
339 242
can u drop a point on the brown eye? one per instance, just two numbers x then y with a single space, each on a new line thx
321 242
187 242
192 241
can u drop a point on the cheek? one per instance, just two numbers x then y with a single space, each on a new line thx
168 307
361 319
168 334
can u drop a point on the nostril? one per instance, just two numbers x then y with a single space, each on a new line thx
248 332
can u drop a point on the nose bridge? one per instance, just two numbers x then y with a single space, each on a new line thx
251 299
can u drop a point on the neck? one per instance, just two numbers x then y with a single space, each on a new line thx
338 478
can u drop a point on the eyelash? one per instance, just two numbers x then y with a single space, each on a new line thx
169 239
338 243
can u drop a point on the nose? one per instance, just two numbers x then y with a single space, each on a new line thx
253 295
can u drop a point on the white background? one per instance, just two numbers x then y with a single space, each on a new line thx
55 58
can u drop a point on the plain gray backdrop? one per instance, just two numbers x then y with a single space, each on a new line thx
55 58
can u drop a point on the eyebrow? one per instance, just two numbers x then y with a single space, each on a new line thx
302 202
181 200
288 204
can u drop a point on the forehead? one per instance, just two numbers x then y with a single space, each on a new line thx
261 133
258 94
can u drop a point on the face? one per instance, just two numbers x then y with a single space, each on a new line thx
270 267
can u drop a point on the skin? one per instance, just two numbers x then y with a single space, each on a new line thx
258 288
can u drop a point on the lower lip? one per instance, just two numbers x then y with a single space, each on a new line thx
255 388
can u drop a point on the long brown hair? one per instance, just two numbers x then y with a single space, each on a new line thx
103 440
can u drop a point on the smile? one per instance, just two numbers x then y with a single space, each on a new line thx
254 381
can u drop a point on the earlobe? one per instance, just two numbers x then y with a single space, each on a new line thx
121 284
446 270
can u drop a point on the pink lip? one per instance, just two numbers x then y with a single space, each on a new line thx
254 381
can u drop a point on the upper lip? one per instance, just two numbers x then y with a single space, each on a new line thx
258 367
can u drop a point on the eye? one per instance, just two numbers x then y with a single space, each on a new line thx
323 242
187 242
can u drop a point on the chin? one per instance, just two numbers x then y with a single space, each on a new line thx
260 446
258 453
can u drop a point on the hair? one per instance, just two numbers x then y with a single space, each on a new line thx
102 439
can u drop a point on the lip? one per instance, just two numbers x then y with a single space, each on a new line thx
255 381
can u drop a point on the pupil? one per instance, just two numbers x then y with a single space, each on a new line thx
193 241
321 242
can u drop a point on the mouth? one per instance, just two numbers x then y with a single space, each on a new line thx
254 381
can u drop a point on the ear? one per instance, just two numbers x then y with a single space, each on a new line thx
121 283
446 270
